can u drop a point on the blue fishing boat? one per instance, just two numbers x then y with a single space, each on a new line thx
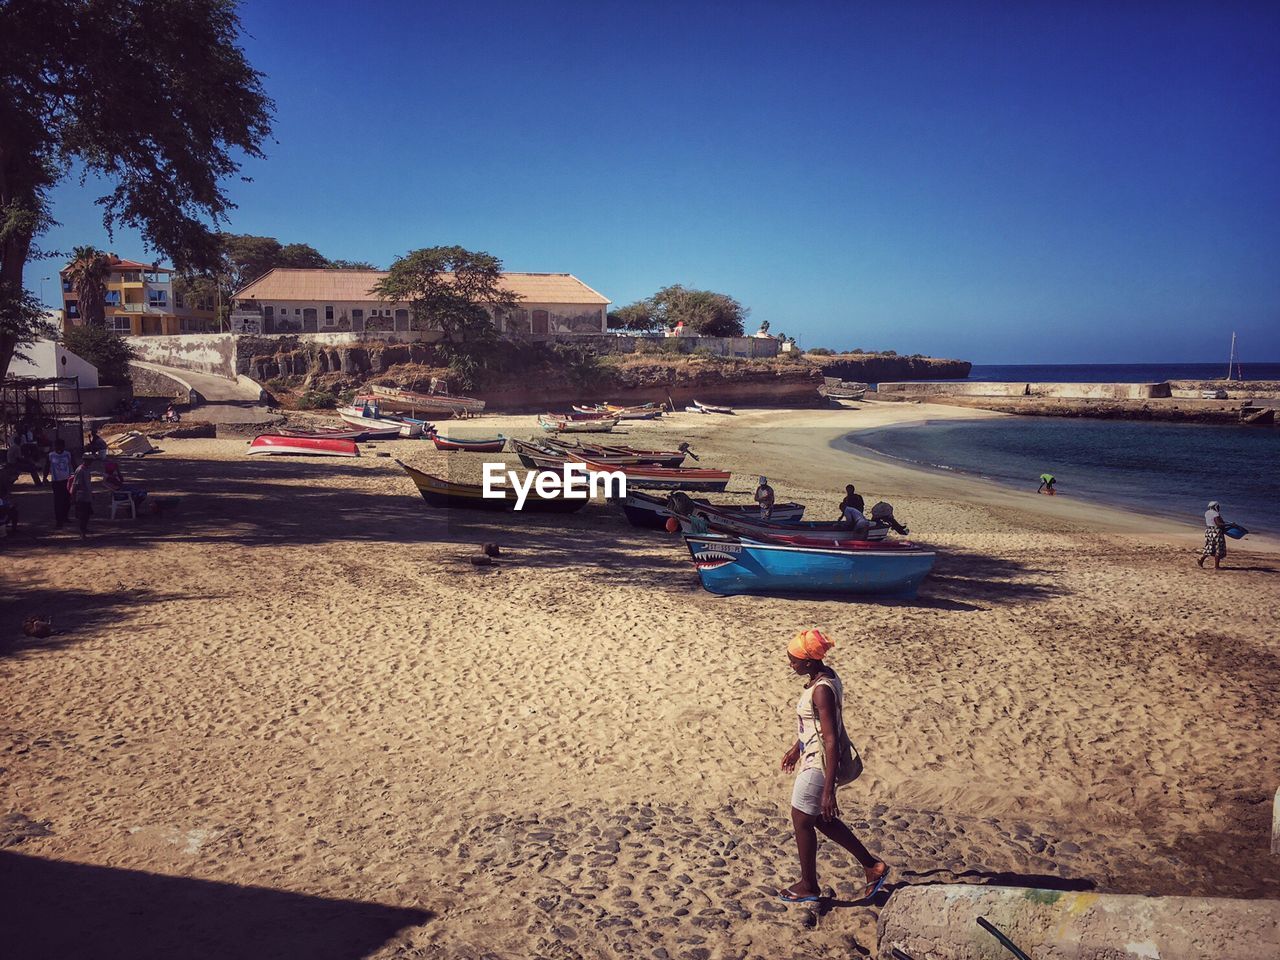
728 565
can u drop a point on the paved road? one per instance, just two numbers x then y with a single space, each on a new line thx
223 400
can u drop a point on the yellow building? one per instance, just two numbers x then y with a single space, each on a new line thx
140 302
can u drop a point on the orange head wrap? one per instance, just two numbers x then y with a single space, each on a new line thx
809 645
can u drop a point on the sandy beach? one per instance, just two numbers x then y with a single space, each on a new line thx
287 717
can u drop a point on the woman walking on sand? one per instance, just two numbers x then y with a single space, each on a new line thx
817 755
1215 536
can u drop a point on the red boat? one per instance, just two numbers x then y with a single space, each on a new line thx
306 446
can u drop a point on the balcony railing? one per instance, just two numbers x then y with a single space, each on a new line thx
140 308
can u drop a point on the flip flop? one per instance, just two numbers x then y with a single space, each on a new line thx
787 897
878 885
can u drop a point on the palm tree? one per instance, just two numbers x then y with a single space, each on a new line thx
88 272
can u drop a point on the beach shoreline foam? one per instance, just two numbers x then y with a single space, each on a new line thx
295 681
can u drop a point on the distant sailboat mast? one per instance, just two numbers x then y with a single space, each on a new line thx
1234 361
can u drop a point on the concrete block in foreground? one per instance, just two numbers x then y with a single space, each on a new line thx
939 922
1275 824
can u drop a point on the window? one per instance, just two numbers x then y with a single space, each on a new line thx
178 301
120 323
111 298
73 308
66 286
297 311
158 298
328 312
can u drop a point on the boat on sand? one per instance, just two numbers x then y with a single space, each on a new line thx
268 443
652 513
450 495
729 565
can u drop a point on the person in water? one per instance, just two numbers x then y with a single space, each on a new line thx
815 754
1215 536
1047 480
764 496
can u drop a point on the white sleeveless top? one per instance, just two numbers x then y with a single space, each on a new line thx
812 754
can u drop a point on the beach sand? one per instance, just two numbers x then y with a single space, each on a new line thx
287 717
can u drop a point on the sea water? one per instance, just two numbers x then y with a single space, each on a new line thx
1171 469
1119 372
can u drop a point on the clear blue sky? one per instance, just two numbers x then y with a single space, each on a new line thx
1005 183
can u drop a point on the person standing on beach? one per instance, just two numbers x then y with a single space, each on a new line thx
1047 480
60 473
816 754
1215 536
764 496
81 489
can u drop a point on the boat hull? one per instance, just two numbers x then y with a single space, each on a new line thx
464 496
652 513
470 446
711 408
728 566
411 400
380 428
659 478
595 425
302 446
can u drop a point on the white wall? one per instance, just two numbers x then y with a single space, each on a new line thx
51 359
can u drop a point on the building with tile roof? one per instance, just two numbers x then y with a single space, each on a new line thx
286 300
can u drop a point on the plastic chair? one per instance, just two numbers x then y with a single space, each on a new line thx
122 499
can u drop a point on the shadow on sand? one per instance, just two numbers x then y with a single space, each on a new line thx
59 909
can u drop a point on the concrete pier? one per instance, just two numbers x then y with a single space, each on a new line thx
939 922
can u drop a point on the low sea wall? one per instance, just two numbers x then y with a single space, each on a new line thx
1235 389
988 388
212 353
941 920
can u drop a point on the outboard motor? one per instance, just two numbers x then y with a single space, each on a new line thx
883 520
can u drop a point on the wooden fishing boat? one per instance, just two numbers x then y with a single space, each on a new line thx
729 565
331 433
449 495
394 398
808 533
386 428
652 513
493 445
595 408
545 456
664 458
635 407
694 410
711 408
554 424
662 478
269 443
635 413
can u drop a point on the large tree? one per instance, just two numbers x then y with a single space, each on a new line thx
636 317
88 273
703 312
456 291
155 96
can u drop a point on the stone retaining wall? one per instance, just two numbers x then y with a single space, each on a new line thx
212 353
986 388
940 920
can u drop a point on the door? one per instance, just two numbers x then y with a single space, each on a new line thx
539 321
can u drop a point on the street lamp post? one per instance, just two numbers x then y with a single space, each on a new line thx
43 280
